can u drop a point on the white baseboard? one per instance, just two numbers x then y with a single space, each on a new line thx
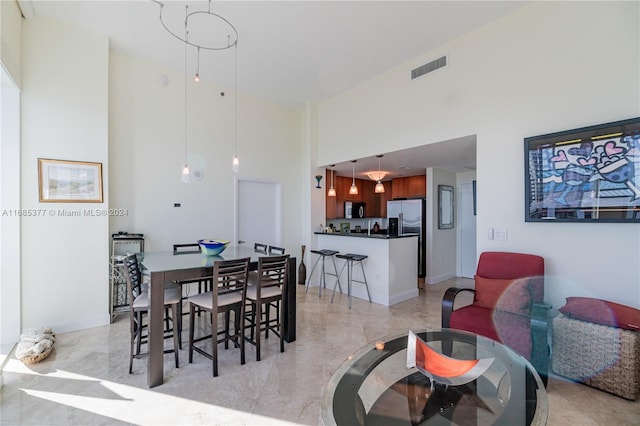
405 295
96 321
440 278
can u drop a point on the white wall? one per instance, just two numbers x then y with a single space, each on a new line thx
441 243
11 39
146 151
550 66
64 116
10 206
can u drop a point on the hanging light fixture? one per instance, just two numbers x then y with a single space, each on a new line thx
379 186
332 190
353 190
235 165
197 77
185 165
209 28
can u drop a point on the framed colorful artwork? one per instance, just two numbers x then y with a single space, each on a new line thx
591 174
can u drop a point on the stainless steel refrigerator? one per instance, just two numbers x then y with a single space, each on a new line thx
411 216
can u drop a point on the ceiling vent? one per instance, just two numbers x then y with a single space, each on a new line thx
427 68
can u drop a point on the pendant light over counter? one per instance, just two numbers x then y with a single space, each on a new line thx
353 190
378 176
379 186
332 190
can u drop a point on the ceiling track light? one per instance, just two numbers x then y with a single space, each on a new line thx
332 190
353 190
209 28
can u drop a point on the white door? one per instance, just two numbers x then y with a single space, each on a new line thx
258 212
467 232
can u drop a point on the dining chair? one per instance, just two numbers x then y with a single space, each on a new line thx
275 250
269 288
227 295
259 247
204 283
139 306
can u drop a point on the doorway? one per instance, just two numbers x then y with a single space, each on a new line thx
467 231
258 212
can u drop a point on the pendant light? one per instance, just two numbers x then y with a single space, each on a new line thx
197 77
332 190
354 189
185 165
235 166
379 186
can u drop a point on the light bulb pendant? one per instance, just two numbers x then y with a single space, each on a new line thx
185 173
236 164
332 190
379 188
196 78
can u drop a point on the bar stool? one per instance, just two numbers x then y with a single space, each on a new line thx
349 259
322 255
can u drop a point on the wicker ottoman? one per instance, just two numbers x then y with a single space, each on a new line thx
607 358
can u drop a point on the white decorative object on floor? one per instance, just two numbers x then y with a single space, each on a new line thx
35 345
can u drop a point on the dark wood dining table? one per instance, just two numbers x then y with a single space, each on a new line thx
165 266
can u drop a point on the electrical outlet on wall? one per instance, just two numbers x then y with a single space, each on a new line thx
501 234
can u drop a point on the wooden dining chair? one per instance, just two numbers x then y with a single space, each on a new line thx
275 250
259 247
204 283
229 283
266 292
139 307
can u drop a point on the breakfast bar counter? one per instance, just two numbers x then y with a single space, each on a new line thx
391 266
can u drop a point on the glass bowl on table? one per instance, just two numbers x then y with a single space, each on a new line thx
213 247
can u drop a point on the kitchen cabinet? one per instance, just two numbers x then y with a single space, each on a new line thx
366 194
409 187
369 197
383 197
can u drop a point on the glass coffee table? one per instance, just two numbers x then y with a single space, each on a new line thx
373 386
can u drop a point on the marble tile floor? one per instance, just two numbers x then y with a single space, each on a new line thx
85 381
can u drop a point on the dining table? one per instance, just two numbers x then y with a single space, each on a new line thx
167 266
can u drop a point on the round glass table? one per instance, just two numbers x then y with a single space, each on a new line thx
373 386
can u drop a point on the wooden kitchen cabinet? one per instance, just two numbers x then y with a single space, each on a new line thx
417 186
366 194
384 197
409 187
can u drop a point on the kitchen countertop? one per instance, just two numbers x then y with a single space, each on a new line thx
365 235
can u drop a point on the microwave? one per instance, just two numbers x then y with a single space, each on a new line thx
354 210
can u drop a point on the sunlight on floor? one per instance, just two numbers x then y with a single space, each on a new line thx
133 405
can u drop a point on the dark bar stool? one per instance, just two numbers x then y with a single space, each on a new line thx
349 259
322 255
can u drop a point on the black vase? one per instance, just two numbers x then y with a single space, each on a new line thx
302 269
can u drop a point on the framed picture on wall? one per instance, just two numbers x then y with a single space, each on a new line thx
445 207
64 181
590 174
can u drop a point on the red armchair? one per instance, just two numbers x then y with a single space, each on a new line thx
507 305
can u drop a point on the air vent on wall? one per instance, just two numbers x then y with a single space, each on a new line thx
427 68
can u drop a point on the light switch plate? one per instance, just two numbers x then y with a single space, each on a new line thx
500 234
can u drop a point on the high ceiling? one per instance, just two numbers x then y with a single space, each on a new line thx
289 52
